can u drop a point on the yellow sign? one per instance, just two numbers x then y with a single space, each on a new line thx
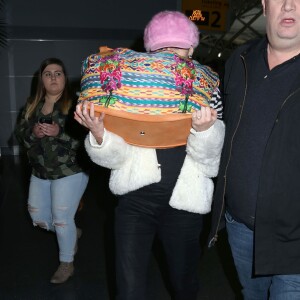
210 15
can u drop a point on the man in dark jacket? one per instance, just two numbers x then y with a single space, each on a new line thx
259 177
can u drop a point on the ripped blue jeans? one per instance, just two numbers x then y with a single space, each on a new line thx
52 205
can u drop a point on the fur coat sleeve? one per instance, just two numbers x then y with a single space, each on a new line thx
194 188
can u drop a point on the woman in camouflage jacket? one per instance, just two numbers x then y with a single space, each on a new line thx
58 178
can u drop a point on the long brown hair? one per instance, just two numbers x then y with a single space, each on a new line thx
65 100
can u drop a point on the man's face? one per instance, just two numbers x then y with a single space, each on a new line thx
283 22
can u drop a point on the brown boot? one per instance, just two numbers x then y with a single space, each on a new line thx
63 273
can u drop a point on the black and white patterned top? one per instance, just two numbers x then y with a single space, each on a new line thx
216 103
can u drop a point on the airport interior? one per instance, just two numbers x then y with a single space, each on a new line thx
31 31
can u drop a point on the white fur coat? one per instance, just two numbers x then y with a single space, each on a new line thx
134 167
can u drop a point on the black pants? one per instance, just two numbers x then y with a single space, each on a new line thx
138 220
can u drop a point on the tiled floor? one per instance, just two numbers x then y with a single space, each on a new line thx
28 255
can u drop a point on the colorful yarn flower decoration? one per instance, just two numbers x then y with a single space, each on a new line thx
110 77
185 75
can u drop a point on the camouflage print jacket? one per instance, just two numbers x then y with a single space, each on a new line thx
54 157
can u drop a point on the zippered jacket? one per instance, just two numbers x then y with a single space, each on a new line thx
277 219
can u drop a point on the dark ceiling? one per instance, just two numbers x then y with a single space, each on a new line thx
246 22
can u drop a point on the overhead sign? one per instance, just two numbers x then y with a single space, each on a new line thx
209 15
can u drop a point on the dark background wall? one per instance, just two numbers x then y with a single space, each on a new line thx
69 30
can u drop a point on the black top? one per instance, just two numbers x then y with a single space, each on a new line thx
170 161
265 93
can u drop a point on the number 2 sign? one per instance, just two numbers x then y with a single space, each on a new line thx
210 15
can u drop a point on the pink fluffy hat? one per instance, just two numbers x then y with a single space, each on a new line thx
170 29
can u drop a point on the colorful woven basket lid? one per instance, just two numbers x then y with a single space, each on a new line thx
141 92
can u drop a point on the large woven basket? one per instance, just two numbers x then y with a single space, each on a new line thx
138 94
